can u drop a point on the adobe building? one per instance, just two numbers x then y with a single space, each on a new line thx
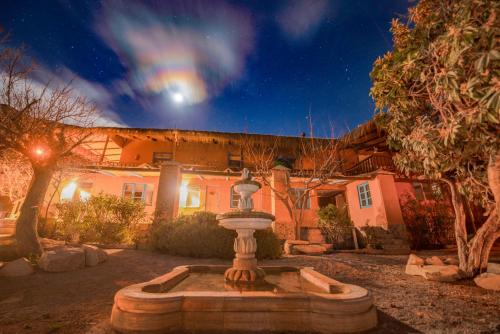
178 172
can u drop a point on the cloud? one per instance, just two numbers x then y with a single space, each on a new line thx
301 18
94 92
188 52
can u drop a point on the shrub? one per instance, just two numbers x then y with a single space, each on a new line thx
429 224
103 218
336 225
199 235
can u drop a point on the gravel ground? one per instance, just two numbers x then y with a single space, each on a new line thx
81 301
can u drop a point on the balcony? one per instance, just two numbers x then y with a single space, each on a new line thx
371 164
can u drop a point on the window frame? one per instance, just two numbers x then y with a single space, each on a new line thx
188 189
231 198
235 163
364 195
143 195
298 205
155 160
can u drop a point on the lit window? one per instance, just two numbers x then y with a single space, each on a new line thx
235 198
138 192
364 195
301 200
189 196
84 195
68 192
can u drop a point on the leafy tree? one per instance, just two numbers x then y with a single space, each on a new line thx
438 97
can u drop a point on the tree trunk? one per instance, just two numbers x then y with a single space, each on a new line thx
473 255
26 226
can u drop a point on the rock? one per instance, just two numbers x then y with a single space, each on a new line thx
289 245
451 260
297 242
445 273
94 255
62 259
488 281
434 260
19 267
315 236
328 247
414 269
310 249
493 268
413 259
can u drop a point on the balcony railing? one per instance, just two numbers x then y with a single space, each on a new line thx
372 163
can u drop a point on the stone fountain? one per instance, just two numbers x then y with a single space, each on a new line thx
243 297
245 222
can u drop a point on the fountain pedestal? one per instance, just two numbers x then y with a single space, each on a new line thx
245 222
245 264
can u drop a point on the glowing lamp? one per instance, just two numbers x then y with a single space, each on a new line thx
39 151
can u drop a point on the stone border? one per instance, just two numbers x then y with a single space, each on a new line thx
342 308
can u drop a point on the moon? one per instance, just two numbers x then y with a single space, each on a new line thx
177 97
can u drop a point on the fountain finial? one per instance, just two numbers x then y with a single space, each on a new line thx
246 175
246 187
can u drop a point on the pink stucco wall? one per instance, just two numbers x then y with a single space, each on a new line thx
385 209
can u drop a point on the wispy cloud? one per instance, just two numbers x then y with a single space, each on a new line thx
301 18
187 52
93 91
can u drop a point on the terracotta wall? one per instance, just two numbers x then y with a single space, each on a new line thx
372 216
112 185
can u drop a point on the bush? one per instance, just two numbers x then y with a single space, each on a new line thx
429 224
103 218
336 225
199 235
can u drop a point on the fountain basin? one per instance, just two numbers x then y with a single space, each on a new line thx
197 299
253 220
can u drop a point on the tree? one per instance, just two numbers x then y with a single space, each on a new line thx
15 175
309 163
34 121
438 97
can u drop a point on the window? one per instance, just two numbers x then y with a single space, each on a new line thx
234 161
159 157
189 196
364 195
138 192
299 199
235 198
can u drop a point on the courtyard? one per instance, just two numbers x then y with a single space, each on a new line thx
81 301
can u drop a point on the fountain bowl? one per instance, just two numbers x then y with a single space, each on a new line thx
197 299
254 220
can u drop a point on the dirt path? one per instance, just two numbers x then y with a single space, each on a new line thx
80 301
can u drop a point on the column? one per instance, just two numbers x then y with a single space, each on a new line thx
283 225
167 200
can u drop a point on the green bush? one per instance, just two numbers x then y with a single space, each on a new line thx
336 225
199 235
103 218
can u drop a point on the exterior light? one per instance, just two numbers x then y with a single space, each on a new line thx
39 151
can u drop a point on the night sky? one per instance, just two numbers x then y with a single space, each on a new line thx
240 66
